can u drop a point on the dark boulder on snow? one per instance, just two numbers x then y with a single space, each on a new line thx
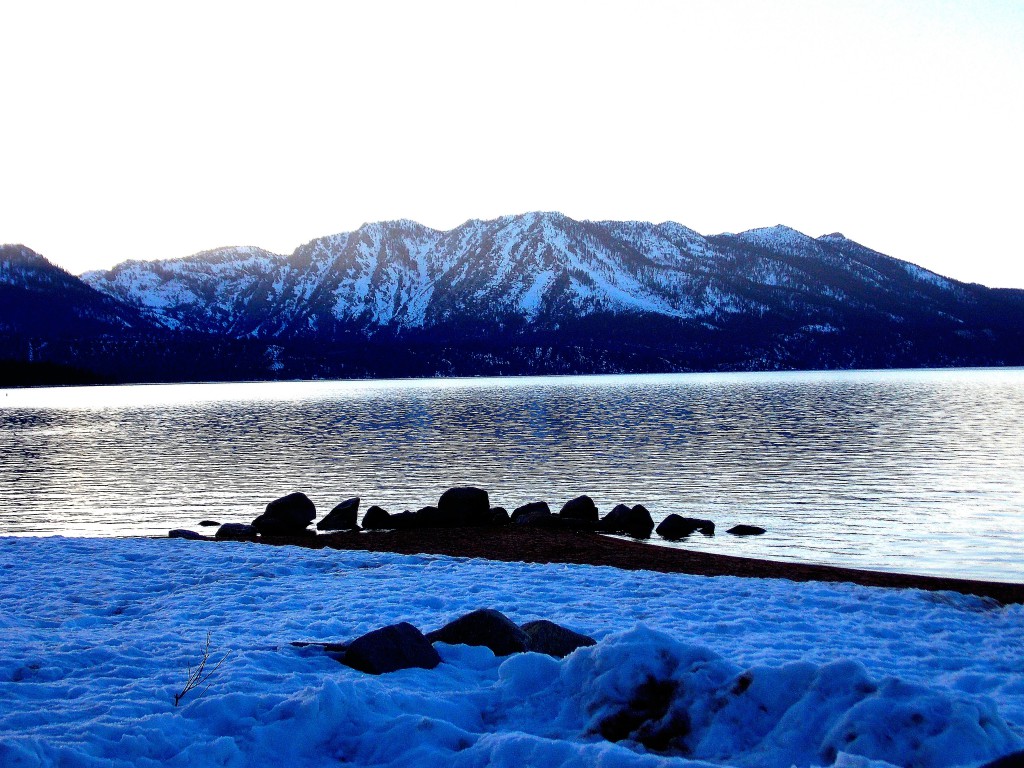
236 531
633 521
531 511
676 527
580 508
342 518
181 533
377 518
746 530
388 649
464 506
554 639
1013 760
486 627
286 516
208 523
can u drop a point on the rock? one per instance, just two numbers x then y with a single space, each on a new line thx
542 518
554 639
1013 760
486 627
343 517
580 508
428 517
399 646
208 523
676 527
286 516
464 506
403 521
532 510
537 518
649 718
634 521
498 516
376 518
236 531
181 533
559 523
746 530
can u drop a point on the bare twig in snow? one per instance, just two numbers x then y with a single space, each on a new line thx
199 675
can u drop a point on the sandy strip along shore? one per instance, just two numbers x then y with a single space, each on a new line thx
532 545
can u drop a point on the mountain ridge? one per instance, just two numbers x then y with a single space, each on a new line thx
541 292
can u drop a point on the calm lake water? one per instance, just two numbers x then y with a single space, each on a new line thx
914 471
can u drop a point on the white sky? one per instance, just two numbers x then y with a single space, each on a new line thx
154 130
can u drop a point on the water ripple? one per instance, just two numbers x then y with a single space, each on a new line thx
902 470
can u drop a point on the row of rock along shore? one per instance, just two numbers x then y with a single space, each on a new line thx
464 507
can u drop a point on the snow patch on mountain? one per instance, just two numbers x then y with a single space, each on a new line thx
781 238
926 276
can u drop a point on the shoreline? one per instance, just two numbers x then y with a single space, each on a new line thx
533 545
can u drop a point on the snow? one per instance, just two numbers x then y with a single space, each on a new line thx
820 328
781 239
97 636
403 274
529 303
925 276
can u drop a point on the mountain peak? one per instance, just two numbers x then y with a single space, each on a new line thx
18 253
780 239
20 259
779 234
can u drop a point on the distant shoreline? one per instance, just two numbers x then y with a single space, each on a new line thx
531 545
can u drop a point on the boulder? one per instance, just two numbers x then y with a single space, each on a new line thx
342 518
236 531
676 527
376 518
634 521
559 523
537 518
746 530
181 533
554 639
498 516
463 506
286 516
486 627
649 718
532 510
580 508
1013 760
208 523
403 521
399 646
543 519
428 517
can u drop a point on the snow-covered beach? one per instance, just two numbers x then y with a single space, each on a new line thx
98 635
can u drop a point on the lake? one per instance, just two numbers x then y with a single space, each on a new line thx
912 471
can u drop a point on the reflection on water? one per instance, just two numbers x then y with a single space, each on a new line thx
915 471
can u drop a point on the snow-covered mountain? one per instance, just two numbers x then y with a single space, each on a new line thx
536 271
533 293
